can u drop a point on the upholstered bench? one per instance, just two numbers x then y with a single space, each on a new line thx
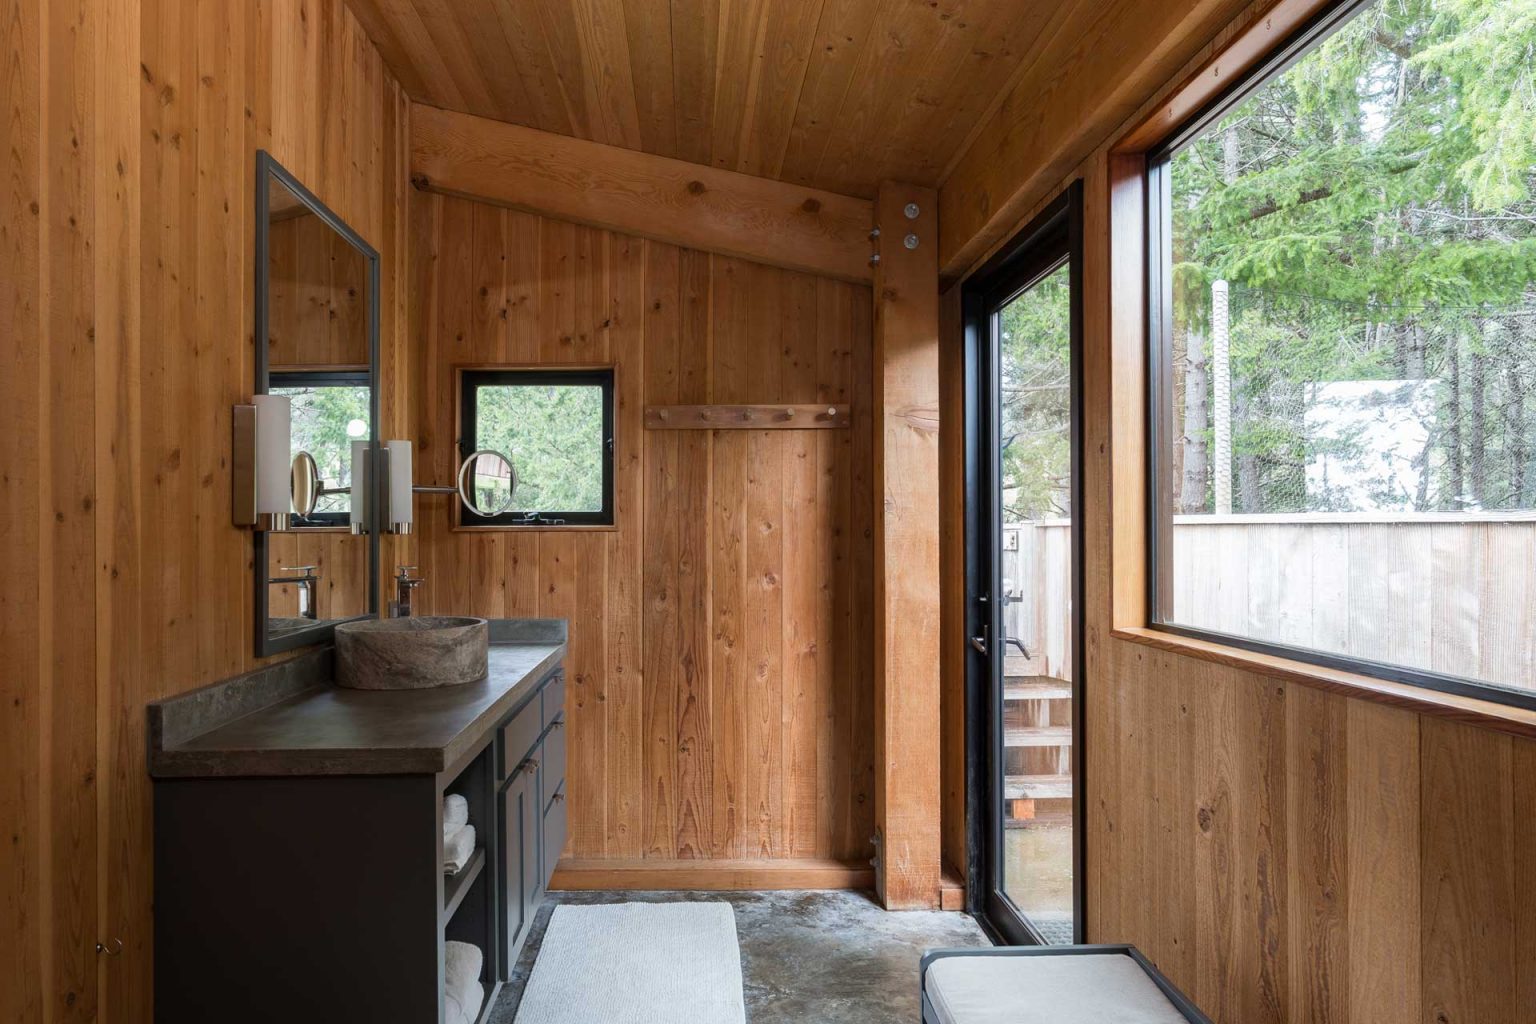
1049 985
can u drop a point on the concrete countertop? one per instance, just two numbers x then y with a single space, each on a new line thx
304 725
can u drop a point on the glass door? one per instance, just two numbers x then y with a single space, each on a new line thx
1025 584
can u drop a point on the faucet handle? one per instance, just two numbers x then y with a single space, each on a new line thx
297 568
405 572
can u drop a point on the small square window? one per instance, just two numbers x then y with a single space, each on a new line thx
556 427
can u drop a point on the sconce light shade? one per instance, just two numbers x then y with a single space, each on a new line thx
400 478
273 458
361 493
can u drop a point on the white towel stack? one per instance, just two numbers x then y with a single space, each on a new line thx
462 992
458 834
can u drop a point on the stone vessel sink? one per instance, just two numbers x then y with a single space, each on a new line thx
414 653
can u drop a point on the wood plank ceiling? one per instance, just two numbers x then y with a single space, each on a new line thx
836 94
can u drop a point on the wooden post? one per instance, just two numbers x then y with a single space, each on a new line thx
906 390
1221 371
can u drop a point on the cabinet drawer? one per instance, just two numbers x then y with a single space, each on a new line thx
554 697
518 737
552 760
554 835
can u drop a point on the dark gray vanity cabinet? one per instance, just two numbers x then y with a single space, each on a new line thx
532 759
299 836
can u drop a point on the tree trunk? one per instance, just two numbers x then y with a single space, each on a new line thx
1408 342
1477 443
1230 155
1453 453
1519 455
1197 426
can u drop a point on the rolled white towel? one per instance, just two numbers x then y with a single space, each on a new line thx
462 992
457 849
455 813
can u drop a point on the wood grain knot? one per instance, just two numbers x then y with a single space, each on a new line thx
421 183
921 418
811 205
696 188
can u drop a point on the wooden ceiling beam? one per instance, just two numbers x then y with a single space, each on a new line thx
690 205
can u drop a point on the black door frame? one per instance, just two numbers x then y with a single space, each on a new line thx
1053 238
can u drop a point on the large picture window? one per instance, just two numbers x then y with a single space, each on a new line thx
1343 289
556 426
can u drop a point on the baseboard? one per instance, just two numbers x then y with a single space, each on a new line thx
951 889
712 875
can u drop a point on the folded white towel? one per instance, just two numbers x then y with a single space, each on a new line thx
463 1008
455 812
457 849
462 993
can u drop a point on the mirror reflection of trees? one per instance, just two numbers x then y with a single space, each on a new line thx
326 419
1374 209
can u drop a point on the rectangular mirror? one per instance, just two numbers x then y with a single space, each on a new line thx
317 343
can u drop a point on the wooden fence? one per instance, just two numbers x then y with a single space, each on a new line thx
1451 593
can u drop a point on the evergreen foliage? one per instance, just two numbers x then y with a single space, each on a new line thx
1375 210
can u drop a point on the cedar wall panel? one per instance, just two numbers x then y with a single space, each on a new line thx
128 133
1284 854
720 689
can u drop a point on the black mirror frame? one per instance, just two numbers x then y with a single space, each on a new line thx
267 170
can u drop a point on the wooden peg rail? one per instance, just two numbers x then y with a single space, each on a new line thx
745 417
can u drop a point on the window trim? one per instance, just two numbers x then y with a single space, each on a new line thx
473 377
1158 315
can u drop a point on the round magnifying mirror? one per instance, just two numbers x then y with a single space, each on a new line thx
487 482
304 484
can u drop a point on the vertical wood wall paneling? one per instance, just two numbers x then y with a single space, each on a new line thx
906 569
128 130
717 668
24 904
120 669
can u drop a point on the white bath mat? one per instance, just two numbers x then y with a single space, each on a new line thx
637 963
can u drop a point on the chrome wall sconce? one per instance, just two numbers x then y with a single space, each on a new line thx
262 475
269 486
400 490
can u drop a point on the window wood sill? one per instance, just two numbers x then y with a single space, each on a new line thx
1468 710
538 528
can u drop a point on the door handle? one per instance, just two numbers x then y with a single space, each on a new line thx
980 644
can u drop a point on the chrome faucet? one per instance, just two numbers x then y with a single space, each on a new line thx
305 584
400 607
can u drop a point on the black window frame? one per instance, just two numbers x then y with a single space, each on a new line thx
320 379
1159 253
597 376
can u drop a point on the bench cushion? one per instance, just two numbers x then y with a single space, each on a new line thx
1092 988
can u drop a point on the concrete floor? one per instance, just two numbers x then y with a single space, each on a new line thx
806 957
